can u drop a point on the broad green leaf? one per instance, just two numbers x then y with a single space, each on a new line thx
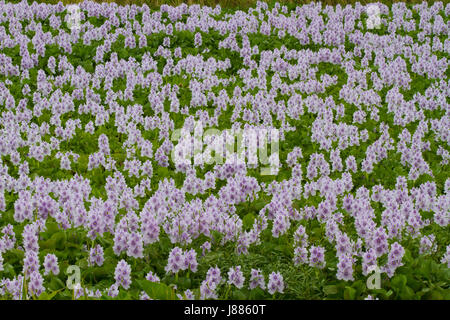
349 293
157 291
407 294
329 290
238 295
48 296
398 282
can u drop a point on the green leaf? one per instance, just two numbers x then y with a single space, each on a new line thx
49 244
435 295
359 286
398 282
56 284
157 291
389 293
256 294
329 290
238 295
248 221
13 255
183 282
414 284
259 204
48 296
425 268
407 293
51 228
123 295
105 297
60 240
162 172
407 256
82 263
97 273
8 269
349 293
216 236
447 295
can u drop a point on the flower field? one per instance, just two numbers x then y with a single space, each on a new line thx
194 152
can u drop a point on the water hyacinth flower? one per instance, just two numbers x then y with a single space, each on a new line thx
176 261
208 290
394 259
144 296
190 260
236 277
96 256
122 274
30 238
446 258
120 241
113 291
206 246
188 295
152 277
14 287
213 275
345 268
427 244
30 262
51 264
369 261
276 283
257 279
135 246
300 256
317 257
35 284
198 39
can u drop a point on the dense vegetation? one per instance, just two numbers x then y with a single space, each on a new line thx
87 176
